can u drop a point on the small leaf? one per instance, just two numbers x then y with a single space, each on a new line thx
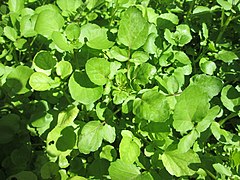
61 41
98 70
192 106
10 33
82 89
209 84
108 152
153 106
230 98
96 36
226 5
72 31
226 56
129 147
187 141
17 80
49 170
15 5
40 81
66 118
119 170
63 69
118 54
90 138
133 28
139 57
177 163
108 133
48 21
222 169
44 60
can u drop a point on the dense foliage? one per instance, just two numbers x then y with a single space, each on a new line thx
119 89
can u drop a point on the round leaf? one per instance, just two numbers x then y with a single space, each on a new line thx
48 21
98 70
40 81
63 69
133 28
82 89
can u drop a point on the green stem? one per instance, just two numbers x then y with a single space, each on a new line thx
232 115
190 9
210 174
223 28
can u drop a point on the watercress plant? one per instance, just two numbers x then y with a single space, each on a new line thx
116 89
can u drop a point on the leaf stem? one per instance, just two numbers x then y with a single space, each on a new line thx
232 115
223 28
210 174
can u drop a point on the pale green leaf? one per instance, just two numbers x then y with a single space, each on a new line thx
17 80
133 28
82 89
192 106
119 170
48 21
40 81
177 163
153 106
90 138
63 69
10 33
98 70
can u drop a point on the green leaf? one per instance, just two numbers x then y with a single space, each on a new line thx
177 163
192 106
48 21
61 41
208 67
15 5
230 98
69 6
144 73
98 70
27 24
226 56
153 106
49 170
9 126
72 31
82 89
167 20
40 81
10 33
182 35
222 169
66 117
44 61
24 175
209 84
108 152
108 133
225 4
96 36
90 138
139 57
63 69
129 147
133 28
119 170
119 54
17 80
187 141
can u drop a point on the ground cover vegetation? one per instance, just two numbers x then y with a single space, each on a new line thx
119 89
